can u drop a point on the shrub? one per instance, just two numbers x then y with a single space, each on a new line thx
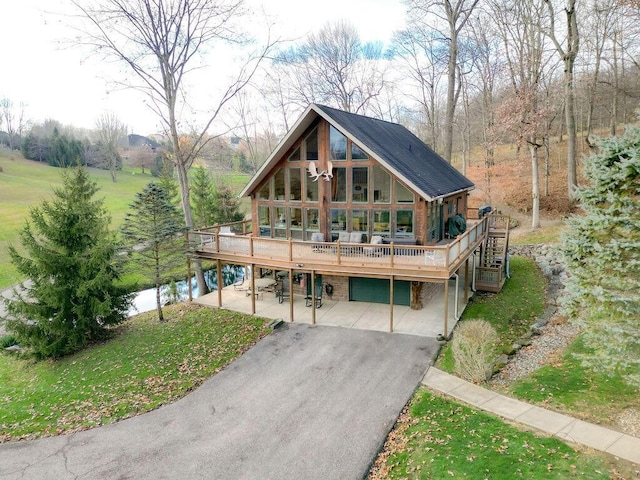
473 349
8 341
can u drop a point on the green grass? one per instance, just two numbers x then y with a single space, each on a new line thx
511 312
145 365
25 184
443 439
549 234
567 386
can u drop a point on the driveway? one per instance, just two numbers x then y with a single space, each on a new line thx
306 402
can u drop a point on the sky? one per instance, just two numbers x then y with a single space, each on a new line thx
63 84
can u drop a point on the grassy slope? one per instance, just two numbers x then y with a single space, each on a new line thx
145 365
25 183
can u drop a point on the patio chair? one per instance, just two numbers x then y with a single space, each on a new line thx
309 299
239 285
283 291
374 251
318 238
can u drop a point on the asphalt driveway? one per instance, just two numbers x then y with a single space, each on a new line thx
305 403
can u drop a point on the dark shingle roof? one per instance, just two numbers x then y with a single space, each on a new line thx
401 151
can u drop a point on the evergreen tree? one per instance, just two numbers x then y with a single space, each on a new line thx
203 202
227 205
73 266
169 184
602 250
154 233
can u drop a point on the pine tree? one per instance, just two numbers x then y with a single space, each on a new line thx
202 199
227 206
602 250
154 233
73 268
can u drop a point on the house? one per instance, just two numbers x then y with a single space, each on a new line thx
364 208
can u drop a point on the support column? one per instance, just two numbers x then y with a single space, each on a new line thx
252 287
290 280
391 304
446 308
313 297
220 282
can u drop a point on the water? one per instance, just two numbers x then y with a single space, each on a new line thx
145 300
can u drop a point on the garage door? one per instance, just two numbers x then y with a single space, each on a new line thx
376 290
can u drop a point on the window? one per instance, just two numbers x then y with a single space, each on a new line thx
404 222
381 185
337 144
278 179
338 222
263 193
382 222
295 155
312 189
339 185
295 216
360 222
357 153
264 221
280 229
360 183
403 194
295 184
311 143
313 220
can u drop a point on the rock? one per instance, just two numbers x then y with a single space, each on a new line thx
14 348
500 363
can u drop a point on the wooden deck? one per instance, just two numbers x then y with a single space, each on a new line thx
419 263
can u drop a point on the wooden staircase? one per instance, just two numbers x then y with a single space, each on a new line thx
494 261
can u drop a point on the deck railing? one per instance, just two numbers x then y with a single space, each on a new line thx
234 243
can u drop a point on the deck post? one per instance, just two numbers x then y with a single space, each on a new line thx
446 308
253 289
466 280
290 280
290 250
313 297
220 282
391 256
391 304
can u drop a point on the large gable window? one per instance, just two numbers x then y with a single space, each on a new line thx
295 184
403 194
381 185
339 185
357 153
360 184
278 184
337 144
311 144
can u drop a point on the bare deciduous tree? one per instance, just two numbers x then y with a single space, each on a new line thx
162 42
334 67
455 15
568 51
110 131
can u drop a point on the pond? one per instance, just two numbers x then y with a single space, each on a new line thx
145 300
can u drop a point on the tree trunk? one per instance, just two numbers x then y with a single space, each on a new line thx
451 97
572 179
159 304
535 190
183 179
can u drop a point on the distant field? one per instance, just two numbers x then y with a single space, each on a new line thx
25 183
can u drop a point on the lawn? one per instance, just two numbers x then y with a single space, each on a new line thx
25 183
145 365
439 438
511 312
565 385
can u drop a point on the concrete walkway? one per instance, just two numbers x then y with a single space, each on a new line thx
562 426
